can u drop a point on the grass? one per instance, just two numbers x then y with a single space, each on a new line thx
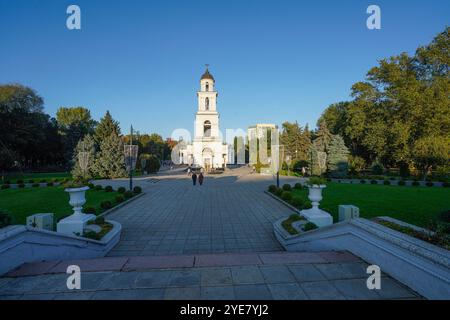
287 224
21 203
38 176
415 205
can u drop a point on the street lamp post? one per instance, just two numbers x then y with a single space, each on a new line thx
131 152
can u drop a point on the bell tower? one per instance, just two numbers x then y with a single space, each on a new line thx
207 117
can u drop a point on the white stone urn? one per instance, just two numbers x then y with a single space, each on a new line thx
76 223
315 215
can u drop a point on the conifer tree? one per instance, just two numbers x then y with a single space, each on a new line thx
87 144
110 163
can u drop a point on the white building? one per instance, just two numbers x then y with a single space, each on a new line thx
207 149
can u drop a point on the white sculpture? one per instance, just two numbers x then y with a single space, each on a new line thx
316 215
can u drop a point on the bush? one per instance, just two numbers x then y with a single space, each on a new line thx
401 183
446 184
128 194
5 219
363 181
20 181
121 190
50 184
298 185
287 187
5 186
35 185
377 168
278 192
286 196
108 189
31 181
91 235
152 163
43 181
98 187
99 220
386 182
137 190
297 202
91 186
415 183
272 188
90 210
309 226
120 198
21 185
429 184
106 205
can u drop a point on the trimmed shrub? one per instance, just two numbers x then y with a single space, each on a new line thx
120 198
386 182
286 196
278 192
298 185
99 220
91 186
128 194
416 183
363 181
5 186
20 181
272 188
21 185
446 184
287 187
50 184
297 202
35 185
401 183
106 205
121 190
5 219
309 226
43 181
429 184
90 210
31 181
137 190
98 187
109 189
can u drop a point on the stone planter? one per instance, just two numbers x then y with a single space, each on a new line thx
75 223
315 215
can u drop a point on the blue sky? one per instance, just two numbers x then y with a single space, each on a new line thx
142 60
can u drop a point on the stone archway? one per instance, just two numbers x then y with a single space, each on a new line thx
207 156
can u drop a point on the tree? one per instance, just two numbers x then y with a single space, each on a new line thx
356 164
337 160
152 164
431 151
323 137
87 144
106 127
74 123
110 162
26 129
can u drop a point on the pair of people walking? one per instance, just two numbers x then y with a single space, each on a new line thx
200 178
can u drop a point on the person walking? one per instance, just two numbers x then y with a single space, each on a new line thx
189 171
194 178
200 178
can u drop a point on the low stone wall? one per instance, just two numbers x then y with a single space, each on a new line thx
421 266
22 244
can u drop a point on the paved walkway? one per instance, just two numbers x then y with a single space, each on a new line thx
264 276
229 213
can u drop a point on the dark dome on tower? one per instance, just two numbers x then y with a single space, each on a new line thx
207 75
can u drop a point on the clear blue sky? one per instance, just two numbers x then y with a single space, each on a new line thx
272 60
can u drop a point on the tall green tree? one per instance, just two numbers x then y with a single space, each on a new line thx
106 127
87 144
110 162
337 156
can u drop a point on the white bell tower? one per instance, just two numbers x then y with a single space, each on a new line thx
207 117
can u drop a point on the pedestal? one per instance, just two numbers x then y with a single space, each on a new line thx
74 224
317 216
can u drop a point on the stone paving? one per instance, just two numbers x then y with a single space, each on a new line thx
326 275
229 213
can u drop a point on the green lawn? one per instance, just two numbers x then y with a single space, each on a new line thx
38 176
21 203
416 205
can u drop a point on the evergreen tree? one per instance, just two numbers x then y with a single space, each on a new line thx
110 162
323 137
337 159
106 128
87 144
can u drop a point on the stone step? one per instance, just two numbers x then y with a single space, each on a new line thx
135 263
